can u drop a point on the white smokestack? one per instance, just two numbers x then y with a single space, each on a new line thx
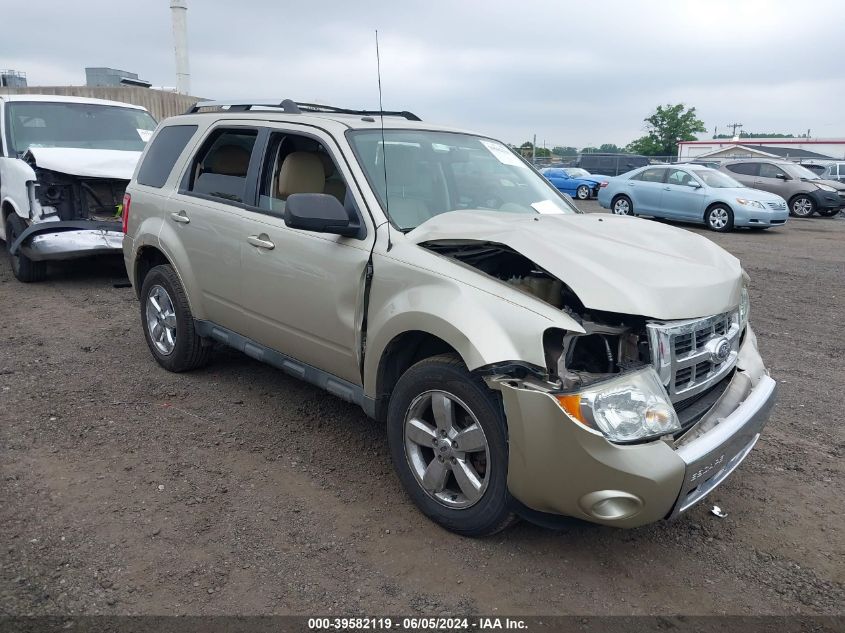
179 14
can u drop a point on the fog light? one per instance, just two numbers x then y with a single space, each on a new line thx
610 505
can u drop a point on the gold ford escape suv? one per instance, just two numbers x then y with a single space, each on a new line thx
527 359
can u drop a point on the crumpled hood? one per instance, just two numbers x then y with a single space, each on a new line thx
91 163
613 263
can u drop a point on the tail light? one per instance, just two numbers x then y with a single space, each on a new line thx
127 201
603 185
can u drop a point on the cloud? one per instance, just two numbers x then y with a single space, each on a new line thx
574 74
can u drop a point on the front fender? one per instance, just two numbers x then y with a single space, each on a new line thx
482 325
17 181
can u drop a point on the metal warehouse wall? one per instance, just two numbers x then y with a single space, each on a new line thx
160 104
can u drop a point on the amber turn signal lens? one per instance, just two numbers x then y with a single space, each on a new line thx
571 403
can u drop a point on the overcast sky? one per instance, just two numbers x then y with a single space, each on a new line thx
573 73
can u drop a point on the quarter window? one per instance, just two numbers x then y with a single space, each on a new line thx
163 153
220 167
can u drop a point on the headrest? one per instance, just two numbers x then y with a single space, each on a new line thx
301 172
229 160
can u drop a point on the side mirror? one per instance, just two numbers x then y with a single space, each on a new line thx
321 213
694 184
782 177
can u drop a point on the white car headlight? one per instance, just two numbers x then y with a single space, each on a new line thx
824 187
744 306
750 203
630 407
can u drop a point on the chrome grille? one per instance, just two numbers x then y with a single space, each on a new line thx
685 352
777 206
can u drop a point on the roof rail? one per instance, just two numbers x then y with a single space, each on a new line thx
292 107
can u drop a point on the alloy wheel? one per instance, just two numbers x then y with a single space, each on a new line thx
446 449
161 320
583 192
802 207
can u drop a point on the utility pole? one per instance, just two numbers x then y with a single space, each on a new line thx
534 150
734 126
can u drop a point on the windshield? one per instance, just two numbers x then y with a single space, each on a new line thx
577 172
80 125
429 173
797 171
716 179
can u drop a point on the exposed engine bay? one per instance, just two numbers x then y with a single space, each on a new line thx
613 343
67 197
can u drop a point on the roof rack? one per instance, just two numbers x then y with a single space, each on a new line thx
293 107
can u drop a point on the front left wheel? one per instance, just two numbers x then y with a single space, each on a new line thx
448 442
23 268
168 323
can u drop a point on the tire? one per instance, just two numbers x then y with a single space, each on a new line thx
582 192
827 213
802 206
169 329
23 268
468 491
622 205
719 218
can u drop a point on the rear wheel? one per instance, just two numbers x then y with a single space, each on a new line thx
448 442
802 206
23 268
622 205
719 218
583 192
168 323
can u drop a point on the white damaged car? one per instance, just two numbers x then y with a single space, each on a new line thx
64 166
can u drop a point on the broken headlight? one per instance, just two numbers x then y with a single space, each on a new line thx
630 407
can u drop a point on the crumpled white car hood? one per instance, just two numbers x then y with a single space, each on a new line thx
92 163
613 263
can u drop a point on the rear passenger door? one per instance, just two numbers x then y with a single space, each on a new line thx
204 220
302 292
647 188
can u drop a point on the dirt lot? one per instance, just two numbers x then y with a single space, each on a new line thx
238 490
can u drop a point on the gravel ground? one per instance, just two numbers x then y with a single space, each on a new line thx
238 490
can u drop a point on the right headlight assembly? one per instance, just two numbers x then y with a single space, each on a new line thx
627 408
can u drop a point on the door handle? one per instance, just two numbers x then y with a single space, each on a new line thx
180 217
261 242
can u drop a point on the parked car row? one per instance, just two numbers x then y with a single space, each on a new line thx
526 359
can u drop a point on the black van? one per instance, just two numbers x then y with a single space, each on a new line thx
610 164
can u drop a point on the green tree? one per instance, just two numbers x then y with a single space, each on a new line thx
564 151
665 128
610 148
589 150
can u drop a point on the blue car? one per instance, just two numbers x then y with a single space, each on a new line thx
577 182
692 193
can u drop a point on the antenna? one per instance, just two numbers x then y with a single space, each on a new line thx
383 146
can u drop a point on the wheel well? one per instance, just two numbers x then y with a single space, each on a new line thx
148 258
8 210
401 353
716 204
616 197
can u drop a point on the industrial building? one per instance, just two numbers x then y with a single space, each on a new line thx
797 149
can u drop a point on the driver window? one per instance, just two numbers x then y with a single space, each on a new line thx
767 170
297 164
678 177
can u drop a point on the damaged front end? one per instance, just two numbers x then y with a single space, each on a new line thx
620 426
70 216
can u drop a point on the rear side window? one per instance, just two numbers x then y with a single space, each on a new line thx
748 169
163 153
220 167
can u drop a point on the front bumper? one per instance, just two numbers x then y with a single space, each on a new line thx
556 466
69 240
827 199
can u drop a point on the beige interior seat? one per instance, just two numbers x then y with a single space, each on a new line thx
301 172
334 181
229 160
